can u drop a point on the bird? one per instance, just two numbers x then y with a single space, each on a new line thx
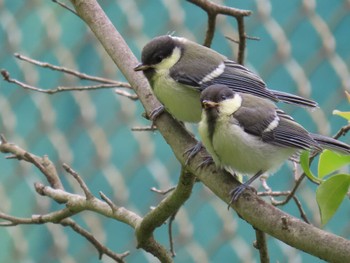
178 70
249 135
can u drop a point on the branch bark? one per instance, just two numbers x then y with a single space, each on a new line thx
255 211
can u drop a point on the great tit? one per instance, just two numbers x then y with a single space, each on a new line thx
249 135
179 69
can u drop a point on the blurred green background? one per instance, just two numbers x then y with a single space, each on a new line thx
304 48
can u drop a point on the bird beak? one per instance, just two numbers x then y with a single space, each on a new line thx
142 67
207 104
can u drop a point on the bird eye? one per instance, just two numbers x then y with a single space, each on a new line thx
159 58
223 97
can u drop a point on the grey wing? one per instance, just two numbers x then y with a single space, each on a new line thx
191 75
195 65
285 132
290 133
241 79
250 116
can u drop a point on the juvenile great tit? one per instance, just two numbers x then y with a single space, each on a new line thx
249 135
179 69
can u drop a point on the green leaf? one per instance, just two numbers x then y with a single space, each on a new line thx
331 161
344 114
304 163
330 194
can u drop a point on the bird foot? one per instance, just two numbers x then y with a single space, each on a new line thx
155 114
207 160
236 192
192 151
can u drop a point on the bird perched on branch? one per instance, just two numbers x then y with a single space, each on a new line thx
251 136
179 69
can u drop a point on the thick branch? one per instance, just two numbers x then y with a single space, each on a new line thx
166 208
255 211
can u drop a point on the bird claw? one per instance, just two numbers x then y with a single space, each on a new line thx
155 114
192 151
236 192
207 160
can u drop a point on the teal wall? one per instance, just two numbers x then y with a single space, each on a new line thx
304 48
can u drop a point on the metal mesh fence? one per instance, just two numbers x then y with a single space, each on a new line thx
304 49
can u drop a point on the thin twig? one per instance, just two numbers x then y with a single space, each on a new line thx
2 138
42 163
80 181
126 94
62 217
209 6
144 128
242 40
66 7
274 193
302 213
99 247
267 188
6 76
212 9
261 245
342 131
163 192
113 206
211 29
170 233
52 217
72 72
292 192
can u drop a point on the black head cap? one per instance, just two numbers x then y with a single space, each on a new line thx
217 93
157 49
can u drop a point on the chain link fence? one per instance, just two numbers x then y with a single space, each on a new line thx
304 48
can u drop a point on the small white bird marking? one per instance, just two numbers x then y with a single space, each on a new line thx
273 124
215 73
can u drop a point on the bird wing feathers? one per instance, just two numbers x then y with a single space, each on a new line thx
272 125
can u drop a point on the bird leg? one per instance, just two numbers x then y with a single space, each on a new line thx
236 192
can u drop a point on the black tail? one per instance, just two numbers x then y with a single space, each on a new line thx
294 99
331 144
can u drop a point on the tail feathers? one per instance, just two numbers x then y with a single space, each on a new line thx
294 99
331 144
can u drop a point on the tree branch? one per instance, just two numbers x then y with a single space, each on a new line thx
42 163
99 247
169 206
261 245
62 217
6 77
255 211
71 72
212 10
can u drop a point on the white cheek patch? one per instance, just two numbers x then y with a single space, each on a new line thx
214 74
230 106
168 62
273 124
